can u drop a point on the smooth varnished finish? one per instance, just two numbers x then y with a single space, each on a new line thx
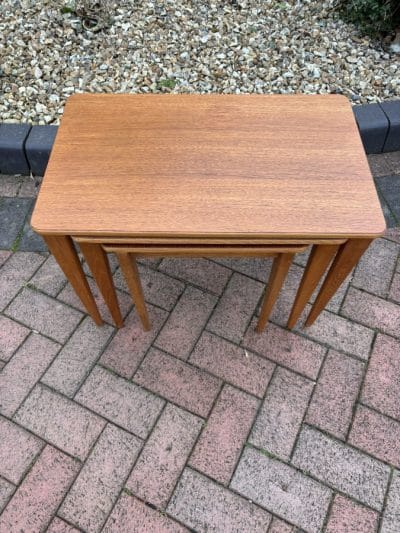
246 175
208 165
98 263
65 254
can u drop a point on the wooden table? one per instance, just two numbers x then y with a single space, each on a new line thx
208 175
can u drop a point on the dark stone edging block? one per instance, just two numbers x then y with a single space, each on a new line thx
12 148
38 147
392 111
25 148
379 126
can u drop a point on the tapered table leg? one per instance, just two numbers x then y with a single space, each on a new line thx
346 259
130 270
63 250
98 263
320 257
278 274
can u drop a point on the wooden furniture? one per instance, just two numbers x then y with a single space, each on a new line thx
206 175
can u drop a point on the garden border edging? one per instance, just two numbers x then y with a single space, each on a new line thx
26 149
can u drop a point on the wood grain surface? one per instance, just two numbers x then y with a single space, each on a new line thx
208 166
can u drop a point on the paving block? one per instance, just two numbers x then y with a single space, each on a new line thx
98 485
164 456
389 187
342 467
347 516
13 214
4 255
24 370
377 434
69 296
35 501
29 186
224 435
30 240
15 273
6 490
373 125
378 165
253 267
158 289
382 382
391 515
59 526
205 506
49 278
38 147
372 311
178 382
131 514
392 111
279 526
286 348
44 314
337 388
393 160
186 322
394 293
12 335
236 307
120 401
281 489
72 365
282 413
232 363
129 345
18 450
375 269
60 421
202 272
9 185
340 333
12 148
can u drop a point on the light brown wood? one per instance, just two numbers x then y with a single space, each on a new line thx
204 251
278 274
345 260
98 263
287 166
318 262
130 270
65 254
226 174
209 242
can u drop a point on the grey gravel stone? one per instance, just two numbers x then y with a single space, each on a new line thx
262 46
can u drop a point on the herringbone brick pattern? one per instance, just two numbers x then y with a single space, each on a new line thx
200 424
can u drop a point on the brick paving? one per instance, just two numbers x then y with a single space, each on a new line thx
200 424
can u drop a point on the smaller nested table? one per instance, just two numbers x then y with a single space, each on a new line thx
208 175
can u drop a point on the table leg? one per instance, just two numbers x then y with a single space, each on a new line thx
278 274
130 270
63 250
346 259
98 263
320 257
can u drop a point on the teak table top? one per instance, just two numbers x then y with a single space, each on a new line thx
260 166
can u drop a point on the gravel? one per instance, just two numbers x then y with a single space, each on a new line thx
229 46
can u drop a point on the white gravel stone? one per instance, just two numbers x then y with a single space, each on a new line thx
224 46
